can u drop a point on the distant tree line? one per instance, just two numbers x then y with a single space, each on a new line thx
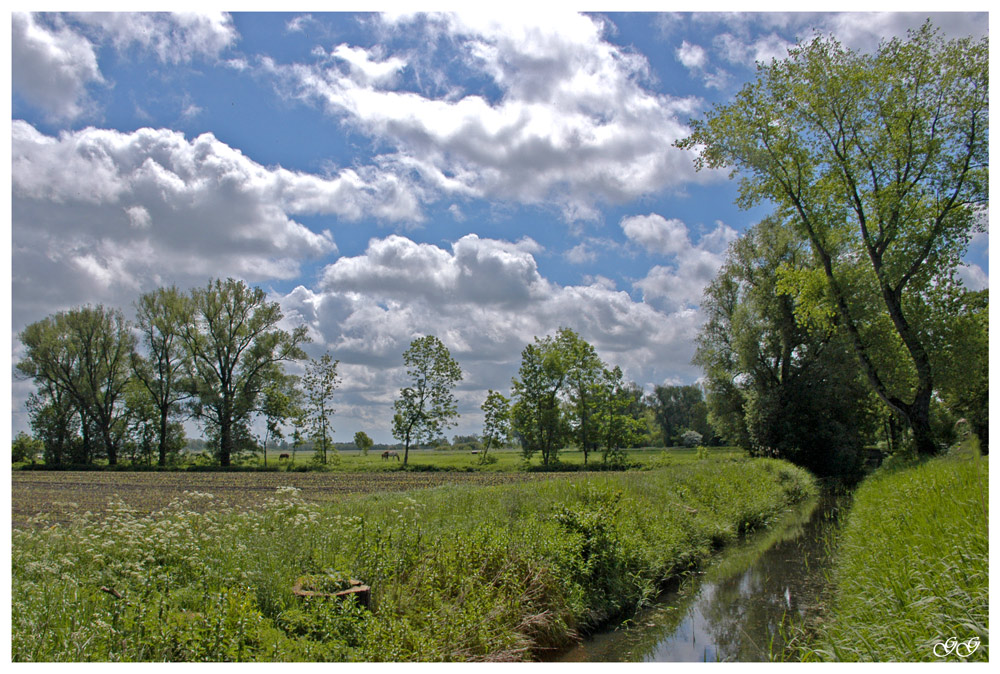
109 389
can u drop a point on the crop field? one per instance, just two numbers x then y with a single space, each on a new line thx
60 494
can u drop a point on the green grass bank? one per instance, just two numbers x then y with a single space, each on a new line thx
456 573
912 566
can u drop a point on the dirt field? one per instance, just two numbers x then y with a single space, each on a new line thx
61 492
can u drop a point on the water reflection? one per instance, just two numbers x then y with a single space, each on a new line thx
733 612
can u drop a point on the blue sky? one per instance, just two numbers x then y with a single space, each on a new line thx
487 179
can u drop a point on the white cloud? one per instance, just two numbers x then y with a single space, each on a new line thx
365 69
678 287
486 300
51 67
98 213
692 56
174 37
573 126
657 234
973 277
54 58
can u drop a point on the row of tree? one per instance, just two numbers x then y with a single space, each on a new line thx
842 314
108 388
215 353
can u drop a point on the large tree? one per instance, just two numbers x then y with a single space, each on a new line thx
162 316
536 415
584 372
236 349
678 409
775 387
85 354
426 407
881 162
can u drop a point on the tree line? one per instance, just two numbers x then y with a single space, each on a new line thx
112 389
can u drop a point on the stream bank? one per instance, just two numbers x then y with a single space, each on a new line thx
736 609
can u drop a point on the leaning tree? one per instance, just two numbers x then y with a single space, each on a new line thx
880 161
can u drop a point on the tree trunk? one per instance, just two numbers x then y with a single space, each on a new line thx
225 442
163 437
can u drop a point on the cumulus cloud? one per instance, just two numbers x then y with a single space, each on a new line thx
98 213
54 57
51 66
573 124
678 287
485 299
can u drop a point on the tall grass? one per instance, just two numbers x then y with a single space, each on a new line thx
457 573
912 567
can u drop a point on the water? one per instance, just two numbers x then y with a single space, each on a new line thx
734 611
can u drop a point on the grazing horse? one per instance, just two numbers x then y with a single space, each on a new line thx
389 453
283 456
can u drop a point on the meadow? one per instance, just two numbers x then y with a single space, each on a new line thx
912 566
457 572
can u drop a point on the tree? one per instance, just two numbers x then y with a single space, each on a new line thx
496 422
363 442
427 407
676 409
584 371
278 403
84 353
162 317
536 418
881 163
25 447
963 357
55 422
320 382
775 387
615 421
236 349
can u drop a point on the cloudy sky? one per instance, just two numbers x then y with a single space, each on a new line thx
486 179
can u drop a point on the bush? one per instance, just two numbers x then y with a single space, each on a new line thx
691 438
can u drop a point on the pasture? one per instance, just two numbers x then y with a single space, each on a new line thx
503 460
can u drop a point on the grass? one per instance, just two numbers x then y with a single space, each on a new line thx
503 460
912 566
457 572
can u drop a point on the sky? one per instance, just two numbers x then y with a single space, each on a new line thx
484 178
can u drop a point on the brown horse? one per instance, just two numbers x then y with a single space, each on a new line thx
389 453
283 456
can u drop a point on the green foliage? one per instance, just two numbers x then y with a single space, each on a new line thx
496 422
679 408
161 317
363 442
25 447
778 386
912 565
426 408
881 164
236 349
320 381
80 359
